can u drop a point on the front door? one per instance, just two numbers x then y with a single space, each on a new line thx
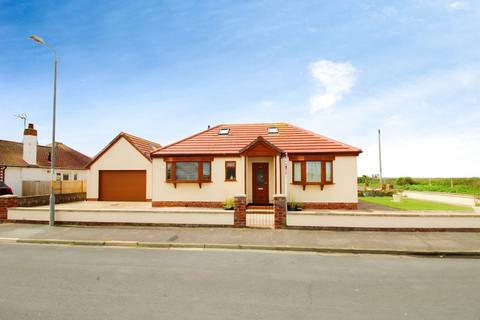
260 183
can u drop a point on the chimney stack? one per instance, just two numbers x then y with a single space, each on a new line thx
30 143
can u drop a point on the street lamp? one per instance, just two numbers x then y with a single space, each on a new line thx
39 40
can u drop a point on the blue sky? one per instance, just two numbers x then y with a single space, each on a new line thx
166 69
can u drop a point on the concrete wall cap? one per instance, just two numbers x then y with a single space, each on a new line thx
7 196
240 196
279 196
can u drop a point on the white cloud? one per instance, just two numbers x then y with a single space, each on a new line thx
440 155
457 5
336 79
429 124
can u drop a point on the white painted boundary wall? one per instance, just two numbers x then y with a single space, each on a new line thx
457 199
302 220
123 216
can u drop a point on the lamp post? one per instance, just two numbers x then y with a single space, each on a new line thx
39 40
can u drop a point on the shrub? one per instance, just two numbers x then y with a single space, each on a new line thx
403 181
295 206
376 193
363 179
229 204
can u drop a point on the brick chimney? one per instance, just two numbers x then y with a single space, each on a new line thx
30 143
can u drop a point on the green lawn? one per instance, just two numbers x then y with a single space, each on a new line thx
413 204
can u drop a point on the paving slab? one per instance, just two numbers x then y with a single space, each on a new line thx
264 238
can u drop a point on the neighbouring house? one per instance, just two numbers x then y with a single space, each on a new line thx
258 160
122 171
25 166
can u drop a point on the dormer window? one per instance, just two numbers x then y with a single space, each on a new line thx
224 131
272 130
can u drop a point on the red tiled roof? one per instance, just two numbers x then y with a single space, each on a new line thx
145 147
11 154
289 138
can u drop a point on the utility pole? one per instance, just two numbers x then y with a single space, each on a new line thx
380 159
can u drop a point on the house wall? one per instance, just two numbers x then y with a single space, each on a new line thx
216 191
344 189
121 156
14 176
43 174
13 179
342 194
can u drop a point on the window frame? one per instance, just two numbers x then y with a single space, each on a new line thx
293 172
303 174
227 179
200 179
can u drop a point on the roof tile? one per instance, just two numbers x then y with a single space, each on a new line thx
290 138
11 154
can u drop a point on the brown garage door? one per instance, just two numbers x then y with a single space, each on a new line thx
122 185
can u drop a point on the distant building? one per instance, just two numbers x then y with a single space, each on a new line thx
28 161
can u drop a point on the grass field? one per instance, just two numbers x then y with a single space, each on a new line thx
413 204
451 185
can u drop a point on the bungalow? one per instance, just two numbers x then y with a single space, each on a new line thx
24 165
122 171
258 160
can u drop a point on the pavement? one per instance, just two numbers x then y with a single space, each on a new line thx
378 242
62 282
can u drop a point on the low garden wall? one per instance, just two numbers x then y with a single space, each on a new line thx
123 217
33 201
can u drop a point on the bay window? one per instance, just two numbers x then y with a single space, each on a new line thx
328 172
188 171
206 174
297 172
312 172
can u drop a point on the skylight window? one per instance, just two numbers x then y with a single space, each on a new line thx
272 130
223 131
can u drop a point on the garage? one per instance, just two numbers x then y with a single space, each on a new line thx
122 185
122 171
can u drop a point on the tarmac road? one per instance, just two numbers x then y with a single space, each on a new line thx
63 282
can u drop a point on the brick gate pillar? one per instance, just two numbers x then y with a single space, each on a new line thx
280 210
240 214
6 202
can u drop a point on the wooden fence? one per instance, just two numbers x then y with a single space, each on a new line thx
39 188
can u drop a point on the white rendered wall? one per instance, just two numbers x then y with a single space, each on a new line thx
13 179
30 149
121 156
218 190
344 188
